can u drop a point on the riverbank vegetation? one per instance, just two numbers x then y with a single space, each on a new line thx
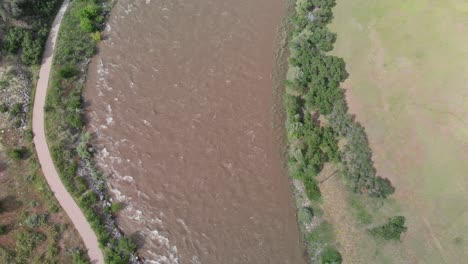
33 229
71 152
319 128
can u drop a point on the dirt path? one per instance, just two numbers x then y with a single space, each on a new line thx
45 159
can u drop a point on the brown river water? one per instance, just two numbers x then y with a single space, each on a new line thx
180 99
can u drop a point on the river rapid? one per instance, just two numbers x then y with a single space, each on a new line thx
180 99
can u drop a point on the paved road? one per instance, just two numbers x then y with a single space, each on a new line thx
45 159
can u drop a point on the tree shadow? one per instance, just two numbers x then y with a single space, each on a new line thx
10 203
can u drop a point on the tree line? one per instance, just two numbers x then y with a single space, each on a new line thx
317 114
27 27
319 127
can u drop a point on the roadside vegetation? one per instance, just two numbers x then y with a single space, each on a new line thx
65 126
320 130
33 229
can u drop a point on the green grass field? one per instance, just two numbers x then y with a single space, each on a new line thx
408 85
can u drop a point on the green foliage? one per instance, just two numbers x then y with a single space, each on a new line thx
391 230
13 39
116 207
317 89
31 50
317 120
26 242
90 18
96 36
383 187
16 109
17 154
33 19
305 215
126 246
3 108
79 257
330 255
84 150
3 230
67 71
88 200
312 189
35 220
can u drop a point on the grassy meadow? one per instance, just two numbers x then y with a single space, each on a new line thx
408 86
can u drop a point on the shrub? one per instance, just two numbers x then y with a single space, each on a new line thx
3 108
305 215
13 39
312 189
391 230
383 187
35 220
79 257
331 255
28 135
18 154
126 246
16 109
96 36
26 242
67 71
32 50
90 18
116 207
3 230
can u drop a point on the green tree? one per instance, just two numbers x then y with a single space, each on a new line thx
391 230
32 50
13 39
331 255
90 18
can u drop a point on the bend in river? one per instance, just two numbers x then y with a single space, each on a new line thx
180 98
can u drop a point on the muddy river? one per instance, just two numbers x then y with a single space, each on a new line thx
180 99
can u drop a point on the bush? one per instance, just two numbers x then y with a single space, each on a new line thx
13 39
35 220
392 230
26 242
96 36
90 18
305 215
28 135
17 154
312 189
32 50
3 108
116 207
383 187
67 72
331 255
79 257
3 230
16 109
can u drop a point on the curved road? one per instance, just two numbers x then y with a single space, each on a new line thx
45 159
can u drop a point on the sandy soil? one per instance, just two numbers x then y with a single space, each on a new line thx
51 175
